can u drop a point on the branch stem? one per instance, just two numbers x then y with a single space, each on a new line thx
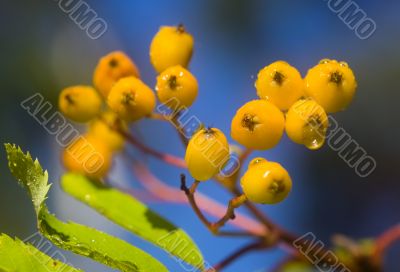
238 253
214 227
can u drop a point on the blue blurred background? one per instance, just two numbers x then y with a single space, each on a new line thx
42 50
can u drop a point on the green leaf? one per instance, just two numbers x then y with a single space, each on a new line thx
297 266
17 256
133 215
29 174
77 238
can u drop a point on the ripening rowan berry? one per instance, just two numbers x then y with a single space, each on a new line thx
102 129
131 99
307 123
110 69
179 84
207 153
89 156
171 46
280 84
266 183
258 124
331 84
257 161
79 103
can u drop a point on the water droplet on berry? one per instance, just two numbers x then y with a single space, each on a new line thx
314 133
256 161
324 61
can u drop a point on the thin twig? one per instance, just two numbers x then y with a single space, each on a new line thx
179 129
167 158
238 253
245 154
284 235
386 240
208 205
157 116
255 211
213 227
174 119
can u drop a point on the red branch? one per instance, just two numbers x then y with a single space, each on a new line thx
206 204
167 158
385 240
239 253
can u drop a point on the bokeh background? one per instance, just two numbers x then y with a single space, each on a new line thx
42 50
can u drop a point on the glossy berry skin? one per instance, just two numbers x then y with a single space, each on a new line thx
258 125
89 156
80 103
307 123
131 99
266 183
171 46
179 84
206 154
280 84
110 69
331 84
102 129
256 161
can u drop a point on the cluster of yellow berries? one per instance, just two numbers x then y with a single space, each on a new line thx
119 97
287 102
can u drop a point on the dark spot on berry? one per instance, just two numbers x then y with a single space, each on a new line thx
181 28
209 131
69 99
113 63
249 122
128 97
279 78
277 187
315 123
172 82
336 77
314 120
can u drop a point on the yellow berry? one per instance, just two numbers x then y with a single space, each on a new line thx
131 99
331 84
266 183
257 161
307 123
179 84
88 156
281 84
102 129
207 153
79 103
258 124
110 69
171 46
